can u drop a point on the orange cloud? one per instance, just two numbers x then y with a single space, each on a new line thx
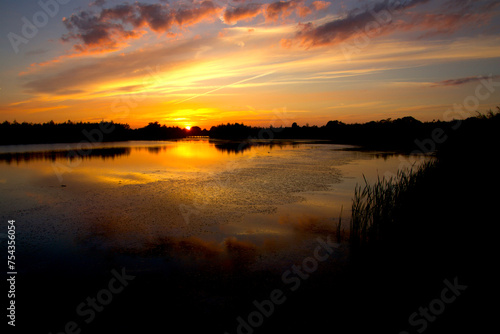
319 5
279 9
192 15
286 43
303 11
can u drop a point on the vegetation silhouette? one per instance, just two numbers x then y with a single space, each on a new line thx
70 132
431 222
399 134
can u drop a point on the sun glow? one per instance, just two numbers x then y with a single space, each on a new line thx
188 127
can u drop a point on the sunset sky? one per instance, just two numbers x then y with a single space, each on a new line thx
265 62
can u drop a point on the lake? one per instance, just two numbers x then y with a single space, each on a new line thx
126 196
217 220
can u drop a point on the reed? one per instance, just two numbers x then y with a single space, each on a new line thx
377 208
339 225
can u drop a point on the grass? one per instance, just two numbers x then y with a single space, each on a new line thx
339 225
377 208
426 224
391 205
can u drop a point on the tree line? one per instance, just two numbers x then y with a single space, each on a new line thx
400 133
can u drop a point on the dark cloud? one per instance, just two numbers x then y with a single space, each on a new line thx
393 16
463 81
243 12
94 31
452 16
107 29
124 12
341 29
156 16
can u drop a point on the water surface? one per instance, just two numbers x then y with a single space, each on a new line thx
190 196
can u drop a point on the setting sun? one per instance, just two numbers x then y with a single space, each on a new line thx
188 128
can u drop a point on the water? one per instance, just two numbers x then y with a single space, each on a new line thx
123 197
208 217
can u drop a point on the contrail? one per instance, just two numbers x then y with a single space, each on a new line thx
221 87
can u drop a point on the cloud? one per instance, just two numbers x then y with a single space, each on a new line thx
446 23
279 9
272 11
112 27
320 5
95 32
340 29
155 16
242 13
286 43
463 81
191 15
390 17
303 11
94 75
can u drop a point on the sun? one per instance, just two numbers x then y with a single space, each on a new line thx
188 127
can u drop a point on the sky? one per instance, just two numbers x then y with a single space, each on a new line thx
190 62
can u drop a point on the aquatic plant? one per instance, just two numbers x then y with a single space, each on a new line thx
377 208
